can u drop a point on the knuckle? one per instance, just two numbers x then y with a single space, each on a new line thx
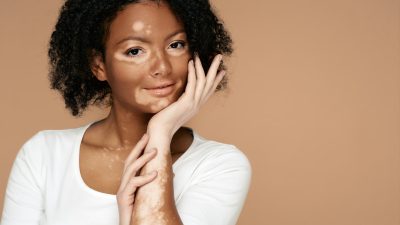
133 182
132 168
151 154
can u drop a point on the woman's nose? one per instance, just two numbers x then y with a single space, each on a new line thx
161 65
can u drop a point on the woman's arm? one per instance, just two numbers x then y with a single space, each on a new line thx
23 200
218 187
216 195
130 182
154 202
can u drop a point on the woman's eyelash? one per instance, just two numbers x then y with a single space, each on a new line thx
131 50
137 50
179 42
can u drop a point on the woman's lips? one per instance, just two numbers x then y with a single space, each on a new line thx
161 92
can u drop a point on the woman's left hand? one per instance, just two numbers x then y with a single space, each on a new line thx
198 89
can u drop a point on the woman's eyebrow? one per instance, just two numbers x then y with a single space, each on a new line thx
134 38
175 33
145 40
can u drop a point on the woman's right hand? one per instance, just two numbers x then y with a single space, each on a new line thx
131 180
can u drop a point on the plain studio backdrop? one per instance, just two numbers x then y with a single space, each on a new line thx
314 102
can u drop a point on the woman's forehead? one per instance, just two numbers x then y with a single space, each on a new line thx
150 19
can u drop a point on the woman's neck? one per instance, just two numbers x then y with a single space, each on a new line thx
123 129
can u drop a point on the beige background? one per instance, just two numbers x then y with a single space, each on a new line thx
314 103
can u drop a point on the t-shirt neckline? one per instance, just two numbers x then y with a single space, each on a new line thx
76 166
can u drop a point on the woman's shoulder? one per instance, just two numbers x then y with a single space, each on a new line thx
51 141
219 154
50 136
218 165
47 148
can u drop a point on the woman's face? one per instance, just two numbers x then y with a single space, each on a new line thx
146 48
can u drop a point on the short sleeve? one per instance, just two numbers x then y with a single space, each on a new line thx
218 193
23 202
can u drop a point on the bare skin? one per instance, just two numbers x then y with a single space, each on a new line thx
101 167
146 48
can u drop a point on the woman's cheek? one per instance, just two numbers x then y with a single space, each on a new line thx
181 60
182 70
126 80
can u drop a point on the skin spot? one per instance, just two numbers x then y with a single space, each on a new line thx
138 26
148 30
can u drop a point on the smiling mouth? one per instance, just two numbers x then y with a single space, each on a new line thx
161 91
160 87
161 84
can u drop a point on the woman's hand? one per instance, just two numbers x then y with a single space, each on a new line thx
198 89
131 180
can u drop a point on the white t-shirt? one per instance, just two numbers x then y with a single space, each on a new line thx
45 186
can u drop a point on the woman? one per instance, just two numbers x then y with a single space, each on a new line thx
155 63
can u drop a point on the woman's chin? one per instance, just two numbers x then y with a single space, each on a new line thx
159 105
152 104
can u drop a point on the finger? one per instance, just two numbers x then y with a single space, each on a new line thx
211 74
137 182
218 79
142 180
132 169
191 84
140 162
200 83
139 147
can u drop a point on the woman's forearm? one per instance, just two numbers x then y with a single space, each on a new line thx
154 202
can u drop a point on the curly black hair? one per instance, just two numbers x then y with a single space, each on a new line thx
82 29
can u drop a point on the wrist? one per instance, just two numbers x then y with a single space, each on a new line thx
160 134
159 140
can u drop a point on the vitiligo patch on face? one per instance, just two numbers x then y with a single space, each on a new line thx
130 59
179 53
155 105
148 30
138 26
160 105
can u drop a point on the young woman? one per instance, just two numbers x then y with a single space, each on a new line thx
154 63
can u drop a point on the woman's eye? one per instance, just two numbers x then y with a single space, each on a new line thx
176 44
133 52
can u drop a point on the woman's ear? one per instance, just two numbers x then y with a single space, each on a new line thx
97 66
